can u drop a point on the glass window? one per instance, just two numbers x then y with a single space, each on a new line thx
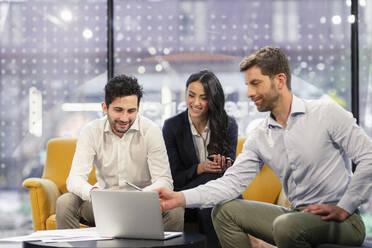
365 65
163 46
365 85
52 53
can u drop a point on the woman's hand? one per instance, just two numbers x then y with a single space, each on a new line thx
218 165
209 167
222 161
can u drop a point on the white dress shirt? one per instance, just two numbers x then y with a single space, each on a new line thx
139 157
310 156
200 141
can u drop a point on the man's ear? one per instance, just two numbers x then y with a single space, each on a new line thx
104 108
282 80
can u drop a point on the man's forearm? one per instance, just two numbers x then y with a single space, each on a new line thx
79 187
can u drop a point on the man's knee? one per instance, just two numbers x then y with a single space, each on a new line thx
67 205
173 219
224 211
66 201
286 228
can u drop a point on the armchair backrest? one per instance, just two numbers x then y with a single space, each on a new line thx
265 186
60 152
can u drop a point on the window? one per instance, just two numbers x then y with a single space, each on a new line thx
52 53
163 46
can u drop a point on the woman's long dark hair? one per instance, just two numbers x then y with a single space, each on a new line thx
218 120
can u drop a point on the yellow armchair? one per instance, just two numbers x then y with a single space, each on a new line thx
266 186
45 191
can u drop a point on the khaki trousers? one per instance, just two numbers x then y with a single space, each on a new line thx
71 210
285 228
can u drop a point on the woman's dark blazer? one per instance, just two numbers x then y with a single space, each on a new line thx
182 154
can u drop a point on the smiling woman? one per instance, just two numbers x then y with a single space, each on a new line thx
199 142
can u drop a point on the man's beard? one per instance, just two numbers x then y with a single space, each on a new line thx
268 101
119 130
114 127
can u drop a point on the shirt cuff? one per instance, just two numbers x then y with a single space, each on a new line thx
192 198
349 203
86 192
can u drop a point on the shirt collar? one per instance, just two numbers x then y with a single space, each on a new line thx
107 128
136 125
192 127
297 107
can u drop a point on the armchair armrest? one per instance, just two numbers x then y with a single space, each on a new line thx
43 197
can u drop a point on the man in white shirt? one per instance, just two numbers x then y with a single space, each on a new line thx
308 144
123 146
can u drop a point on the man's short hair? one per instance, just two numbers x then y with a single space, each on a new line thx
120 86
271 61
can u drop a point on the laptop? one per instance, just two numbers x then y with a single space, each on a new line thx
129 214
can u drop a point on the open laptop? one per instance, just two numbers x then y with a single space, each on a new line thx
129 214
